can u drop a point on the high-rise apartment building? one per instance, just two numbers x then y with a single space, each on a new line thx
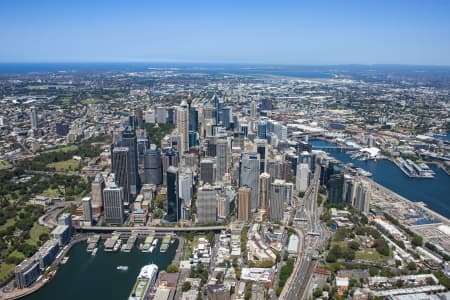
264 188
244 203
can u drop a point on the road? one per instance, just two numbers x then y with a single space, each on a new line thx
312 236
149 228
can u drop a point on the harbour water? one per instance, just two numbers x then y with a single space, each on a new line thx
435 193
96 277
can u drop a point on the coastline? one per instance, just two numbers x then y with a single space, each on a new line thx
20 293
421 205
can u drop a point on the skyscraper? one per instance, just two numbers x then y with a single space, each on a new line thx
264 184
280 195
206 204
262 129
249 176
87 210
244 203
97 186
183 128
216 109
152 167
185 183
113 204
362 197
302 178
207 171
129 140
173 205
335 188
222 158
261 146
253 109
120 161
223 207
34 118
349 189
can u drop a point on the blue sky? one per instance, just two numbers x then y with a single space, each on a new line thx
278 32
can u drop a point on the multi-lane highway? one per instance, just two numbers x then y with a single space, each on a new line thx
312 237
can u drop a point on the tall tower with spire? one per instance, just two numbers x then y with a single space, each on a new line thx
183 127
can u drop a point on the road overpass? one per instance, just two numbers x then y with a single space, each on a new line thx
152 228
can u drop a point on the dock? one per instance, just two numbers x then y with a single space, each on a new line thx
130 243
111 243
165 243
92 242
145 247
413 170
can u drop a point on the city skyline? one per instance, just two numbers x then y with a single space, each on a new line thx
320 33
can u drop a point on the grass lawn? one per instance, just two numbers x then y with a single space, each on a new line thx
63 149
52 193
370 254
35 232
66 165
4 165
89 101
6 269
18 254
188 253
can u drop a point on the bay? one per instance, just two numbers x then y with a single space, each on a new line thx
96 277
435 193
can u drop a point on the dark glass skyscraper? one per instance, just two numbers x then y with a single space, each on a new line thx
128 140
193 119
152 167
173 206
119 160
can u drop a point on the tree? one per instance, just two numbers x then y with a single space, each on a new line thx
186 286
412 266
317 292
172 269
417 240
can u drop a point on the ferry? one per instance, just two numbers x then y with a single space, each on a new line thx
144 283
94 252
117 245
122 268
64 260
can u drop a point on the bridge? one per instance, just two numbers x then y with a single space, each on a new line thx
153 228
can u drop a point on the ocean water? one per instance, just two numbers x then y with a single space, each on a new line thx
183 68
